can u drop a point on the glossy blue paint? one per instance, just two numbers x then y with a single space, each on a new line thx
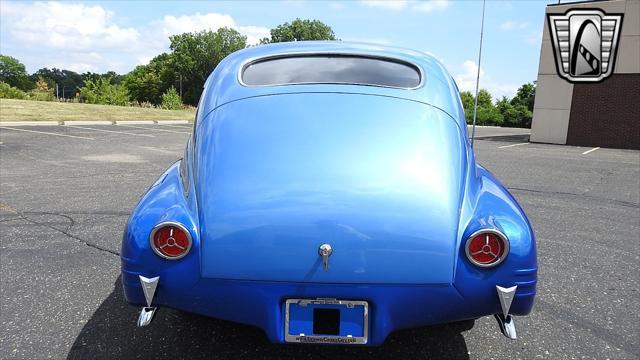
386 176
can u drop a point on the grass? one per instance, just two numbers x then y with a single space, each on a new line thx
28 110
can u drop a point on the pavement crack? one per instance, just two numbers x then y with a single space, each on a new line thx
584 195
72 222
66 232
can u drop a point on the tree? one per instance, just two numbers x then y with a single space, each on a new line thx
484 98
525 96
41 85
147 83
101 91
68 81
195 55
517 115
300 30
509 113
14 73
467 103
171 100
487 113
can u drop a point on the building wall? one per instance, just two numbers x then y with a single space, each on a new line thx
606 114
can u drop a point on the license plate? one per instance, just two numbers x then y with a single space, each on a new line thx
329 321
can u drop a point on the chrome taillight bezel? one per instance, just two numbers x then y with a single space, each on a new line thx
497 233
165 224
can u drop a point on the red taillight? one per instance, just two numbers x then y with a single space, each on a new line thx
170 240
487 248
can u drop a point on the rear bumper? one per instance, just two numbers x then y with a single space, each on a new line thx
391 307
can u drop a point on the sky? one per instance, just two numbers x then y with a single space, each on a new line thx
100 36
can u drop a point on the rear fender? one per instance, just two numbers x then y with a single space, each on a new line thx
488 204
164 201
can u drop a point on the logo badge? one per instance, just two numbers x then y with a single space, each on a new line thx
584 43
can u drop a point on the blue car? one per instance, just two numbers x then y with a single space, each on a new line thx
329 194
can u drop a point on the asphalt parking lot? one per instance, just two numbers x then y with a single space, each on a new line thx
66 192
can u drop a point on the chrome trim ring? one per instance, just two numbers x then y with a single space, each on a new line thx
170 223
503 237
307 53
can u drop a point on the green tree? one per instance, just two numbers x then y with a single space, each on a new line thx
524 116
487 113
147 83
484 98
508 111
300 30
171 100
68 81
195 56
101 91
9 92
14 73
467 103
525 96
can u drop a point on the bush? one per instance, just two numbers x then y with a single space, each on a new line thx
101 91
171 100
143 104
9 92
41 95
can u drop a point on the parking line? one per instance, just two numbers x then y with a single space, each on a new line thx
109 131
47 133
176 126
512 145
149 128
592 150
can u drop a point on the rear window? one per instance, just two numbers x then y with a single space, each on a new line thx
331 69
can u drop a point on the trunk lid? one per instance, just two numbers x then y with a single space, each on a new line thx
377 178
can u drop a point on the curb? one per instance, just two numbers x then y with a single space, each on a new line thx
95 122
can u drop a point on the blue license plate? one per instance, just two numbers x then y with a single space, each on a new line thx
326 321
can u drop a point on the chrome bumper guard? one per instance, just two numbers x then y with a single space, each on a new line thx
149 288
505 321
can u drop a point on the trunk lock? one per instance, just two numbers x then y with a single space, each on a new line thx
325 251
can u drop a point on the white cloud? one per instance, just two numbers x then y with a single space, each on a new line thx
172 25
387 4
466 80
513 25
87 37
66 26
428 6
424 6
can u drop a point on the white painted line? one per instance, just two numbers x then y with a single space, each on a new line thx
153 129
592 150
135 122
512 145
82 122
29 123
159 150
174 122
108 131
175 126
47 133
